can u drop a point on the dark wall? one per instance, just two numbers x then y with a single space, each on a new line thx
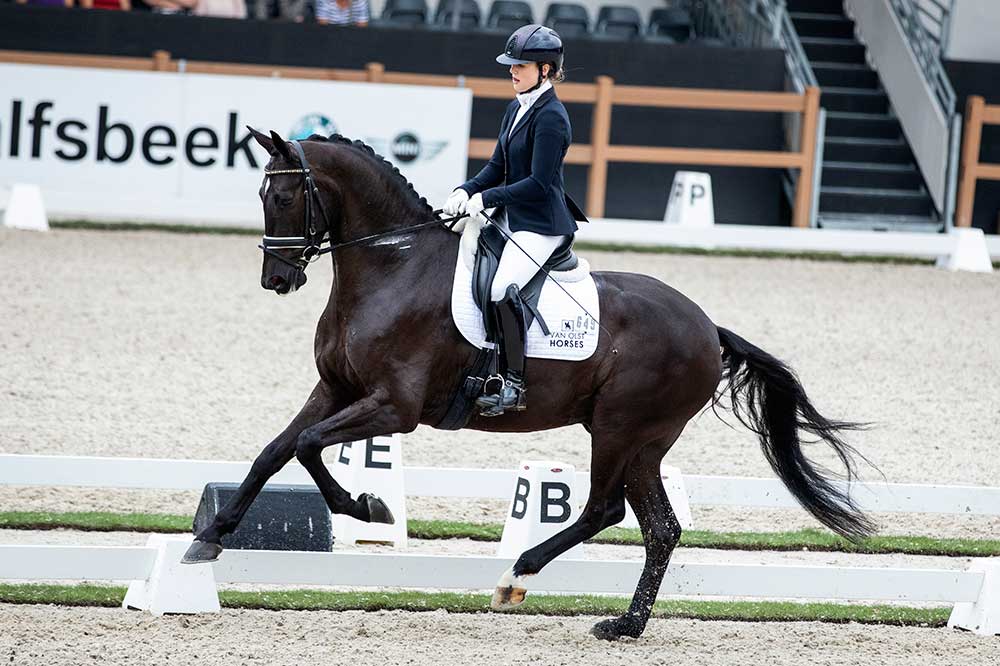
747 196
981 78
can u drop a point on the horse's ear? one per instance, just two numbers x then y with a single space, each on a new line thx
262 139
280 145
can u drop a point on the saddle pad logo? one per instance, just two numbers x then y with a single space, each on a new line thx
573 333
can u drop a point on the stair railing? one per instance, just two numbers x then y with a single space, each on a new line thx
927 48
909 65
736 22
935 15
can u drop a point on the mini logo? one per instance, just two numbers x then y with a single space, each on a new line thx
568 325
511 45
406 148
314 123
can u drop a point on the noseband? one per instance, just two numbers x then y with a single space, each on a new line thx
312 243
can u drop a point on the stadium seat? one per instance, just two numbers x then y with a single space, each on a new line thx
469 14
619 21
568 19
673 23
509 15
404 12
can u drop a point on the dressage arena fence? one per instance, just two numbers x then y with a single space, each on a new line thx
603 94
975 593
977 114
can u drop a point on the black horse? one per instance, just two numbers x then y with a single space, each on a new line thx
390 358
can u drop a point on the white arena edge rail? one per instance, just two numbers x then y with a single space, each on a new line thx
479 573
778 239
176 474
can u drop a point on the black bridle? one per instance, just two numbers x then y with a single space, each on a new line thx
314 244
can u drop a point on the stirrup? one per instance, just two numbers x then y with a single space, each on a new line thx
510 399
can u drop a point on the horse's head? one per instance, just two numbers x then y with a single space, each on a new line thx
298 213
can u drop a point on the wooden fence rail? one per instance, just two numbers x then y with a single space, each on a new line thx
603 94
977 114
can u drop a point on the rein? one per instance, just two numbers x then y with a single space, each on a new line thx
314 245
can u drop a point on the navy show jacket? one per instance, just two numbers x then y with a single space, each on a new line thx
525 173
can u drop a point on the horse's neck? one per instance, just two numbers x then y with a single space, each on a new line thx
406 265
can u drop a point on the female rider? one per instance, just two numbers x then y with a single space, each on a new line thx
524 181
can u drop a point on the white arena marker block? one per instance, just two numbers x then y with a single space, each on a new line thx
983 615
544 503
673 483
969 253
373 466
25 209
173 587
690 203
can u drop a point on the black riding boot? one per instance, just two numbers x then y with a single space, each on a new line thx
511 325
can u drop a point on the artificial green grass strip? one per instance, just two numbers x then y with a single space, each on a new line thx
88 225
303 600
95 521
63 595
808 539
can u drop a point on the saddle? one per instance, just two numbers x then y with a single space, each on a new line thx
490 247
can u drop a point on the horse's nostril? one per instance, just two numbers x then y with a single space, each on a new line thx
276 281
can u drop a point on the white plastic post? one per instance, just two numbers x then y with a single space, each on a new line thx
25 209
173 587
691 202
983 615
969 253
374 466
673 482
544 503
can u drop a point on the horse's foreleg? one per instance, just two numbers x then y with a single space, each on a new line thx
605 507
369 417
208 543
660 532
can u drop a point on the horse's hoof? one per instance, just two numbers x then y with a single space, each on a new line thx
616 628
378 511
200 552
510 592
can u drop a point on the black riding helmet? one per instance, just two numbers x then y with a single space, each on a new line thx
533 43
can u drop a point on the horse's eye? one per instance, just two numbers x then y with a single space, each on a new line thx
283 199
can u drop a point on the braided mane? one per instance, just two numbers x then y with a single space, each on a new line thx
405 185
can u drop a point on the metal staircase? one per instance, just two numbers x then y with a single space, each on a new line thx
870 179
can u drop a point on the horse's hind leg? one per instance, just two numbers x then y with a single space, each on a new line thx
660 532
605 507
208 543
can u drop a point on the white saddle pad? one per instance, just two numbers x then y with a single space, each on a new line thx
573 334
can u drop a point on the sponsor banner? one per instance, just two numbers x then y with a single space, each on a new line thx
151 146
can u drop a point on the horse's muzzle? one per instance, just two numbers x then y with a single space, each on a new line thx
283 285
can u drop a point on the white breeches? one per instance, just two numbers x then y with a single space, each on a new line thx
515 267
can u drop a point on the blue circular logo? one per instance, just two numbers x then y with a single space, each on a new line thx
314 123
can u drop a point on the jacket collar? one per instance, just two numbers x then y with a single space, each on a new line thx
526 99
548 94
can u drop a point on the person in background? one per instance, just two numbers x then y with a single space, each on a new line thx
234 9
46 3
342 12
123 5
288 10
171 6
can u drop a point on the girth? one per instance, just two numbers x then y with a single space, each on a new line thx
488 252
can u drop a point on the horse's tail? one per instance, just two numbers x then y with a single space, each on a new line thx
767 398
